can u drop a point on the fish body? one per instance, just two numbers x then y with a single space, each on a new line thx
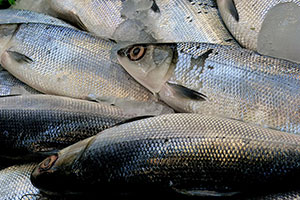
36 125
270 27
68 62
9 85
295 195
219 80
144 21
15 16
15 183
190 154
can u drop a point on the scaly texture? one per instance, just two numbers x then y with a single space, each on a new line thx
188 153
240 84
251 17
15 183
9 85
170 21
35 124
295 195
64 61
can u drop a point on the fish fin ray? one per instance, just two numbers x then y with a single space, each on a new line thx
230 5
182 91
18 57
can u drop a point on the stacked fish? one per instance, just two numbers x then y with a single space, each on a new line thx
155 97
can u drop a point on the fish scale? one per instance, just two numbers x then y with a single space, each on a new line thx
68 62
15 183
181 152
231 82
242 85
35 124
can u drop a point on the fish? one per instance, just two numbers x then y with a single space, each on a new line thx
220 80
16 16
269 27
9 86
144 21
35 126
15 183
295 195
183 153
68 62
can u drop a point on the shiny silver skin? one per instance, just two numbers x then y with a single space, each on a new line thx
68 62
15 183
15 16
144 21
221 80
250 23
190 154
9 85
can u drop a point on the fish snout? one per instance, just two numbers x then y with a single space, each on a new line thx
44 168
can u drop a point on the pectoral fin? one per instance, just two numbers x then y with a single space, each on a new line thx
229 5
18 57
181 91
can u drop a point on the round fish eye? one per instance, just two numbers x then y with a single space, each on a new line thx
136 53
48 162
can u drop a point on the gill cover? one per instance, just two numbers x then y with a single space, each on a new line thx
151 65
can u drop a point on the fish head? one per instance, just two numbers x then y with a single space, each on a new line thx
56 174
150 64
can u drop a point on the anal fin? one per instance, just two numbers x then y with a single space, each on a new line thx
205 193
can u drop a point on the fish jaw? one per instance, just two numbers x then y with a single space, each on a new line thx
46 174
153 69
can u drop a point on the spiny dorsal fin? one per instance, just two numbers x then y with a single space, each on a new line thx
186 92
20 58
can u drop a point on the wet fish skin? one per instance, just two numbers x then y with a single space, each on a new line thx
68 62
220 80
9 85
295 195
145 21
191 154
35 126
269 27
16 16
15 183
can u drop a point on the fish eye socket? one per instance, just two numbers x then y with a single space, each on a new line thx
48 163
136 53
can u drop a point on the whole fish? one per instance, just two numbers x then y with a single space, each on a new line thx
68 62
144 21
37 125
219 80
270 27
15 183
9 85
189 154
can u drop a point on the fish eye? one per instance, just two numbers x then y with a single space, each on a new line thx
136 53
48 163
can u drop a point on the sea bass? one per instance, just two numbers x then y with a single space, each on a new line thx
190 154
270 27
68 62
144 21
219 80
36 125
15 183
9 85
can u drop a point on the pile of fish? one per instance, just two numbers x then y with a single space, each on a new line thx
150 98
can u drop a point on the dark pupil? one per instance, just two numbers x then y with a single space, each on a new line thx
136 51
